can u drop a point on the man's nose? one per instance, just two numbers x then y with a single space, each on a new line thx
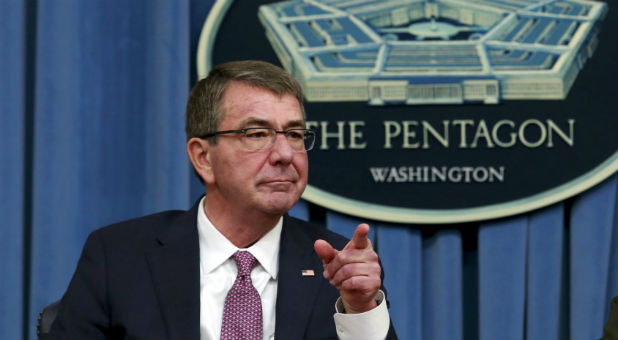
281 150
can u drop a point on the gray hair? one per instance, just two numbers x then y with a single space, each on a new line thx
204 114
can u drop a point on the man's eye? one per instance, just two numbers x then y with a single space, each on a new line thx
257 134
295 134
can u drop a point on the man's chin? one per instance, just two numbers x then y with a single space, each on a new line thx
279 203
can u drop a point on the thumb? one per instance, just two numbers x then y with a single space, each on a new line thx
325 251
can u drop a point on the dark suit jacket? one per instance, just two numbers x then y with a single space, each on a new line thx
140 279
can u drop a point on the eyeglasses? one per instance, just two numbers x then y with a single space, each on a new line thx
256 139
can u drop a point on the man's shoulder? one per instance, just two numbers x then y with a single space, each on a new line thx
144 228
150 222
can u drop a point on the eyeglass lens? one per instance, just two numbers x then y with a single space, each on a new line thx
261 138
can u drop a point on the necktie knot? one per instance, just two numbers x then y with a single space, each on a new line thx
245 262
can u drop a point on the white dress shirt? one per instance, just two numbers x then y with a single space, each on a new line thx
218 272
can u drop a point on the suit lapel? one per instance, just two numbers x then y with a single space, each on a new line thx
296 293
175 274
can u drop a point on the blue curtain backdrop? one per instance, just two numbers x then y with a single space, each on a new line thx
92 97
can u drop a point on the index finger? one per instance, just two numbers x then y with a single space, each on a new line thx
360 239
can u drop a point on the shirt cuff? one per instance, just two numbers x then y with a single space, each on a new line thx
372 324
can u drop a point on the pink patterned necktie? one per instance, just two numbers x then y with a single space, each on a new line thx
242 312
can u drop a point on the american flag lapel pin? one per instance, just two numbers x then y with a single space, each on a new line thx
307 272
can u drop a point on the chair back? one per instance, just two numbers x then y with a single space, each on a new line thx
46 318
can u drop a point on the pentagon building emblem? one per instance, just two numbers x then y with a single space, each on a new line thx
433 51
440 111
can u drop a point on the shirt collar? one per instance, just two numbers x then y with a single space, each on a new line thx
215 248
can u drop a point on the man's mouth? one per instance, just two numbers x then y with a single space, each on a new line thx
278 184
279 180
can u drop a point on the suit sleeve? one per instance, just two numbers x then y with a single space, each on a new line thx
83 312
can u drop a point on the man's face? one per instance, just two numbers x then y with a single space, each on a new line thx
271 180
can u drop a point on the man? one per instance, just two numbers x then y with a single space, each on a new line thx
235 265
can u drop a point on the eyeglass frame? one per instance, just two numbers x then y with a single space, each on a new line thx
272 140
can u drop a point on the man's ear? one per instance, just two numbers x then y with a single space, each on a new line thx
199 153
